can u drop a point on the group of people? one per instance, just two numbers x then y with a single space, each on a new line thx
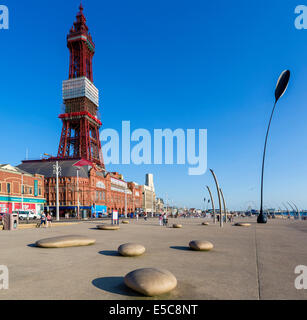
163 219
230 218
46 220
144 215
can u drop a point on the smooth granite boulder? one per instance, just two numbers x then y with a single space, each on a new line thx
65 241
125 221
108 227
205 223
243 224
200 245
176 225
151 281
131 249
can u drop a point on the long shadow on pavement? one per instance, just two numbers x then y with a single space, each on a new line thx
180 248
110 253
114 285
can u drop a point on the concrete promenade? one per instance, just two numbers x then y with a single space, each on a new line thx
256 262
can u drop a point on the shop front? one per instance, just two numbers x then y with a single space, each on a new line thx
70 211
11 204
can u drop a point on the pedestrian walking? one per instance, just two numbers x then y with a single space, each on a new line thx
160 219
49 220
137 216
43 219
164 219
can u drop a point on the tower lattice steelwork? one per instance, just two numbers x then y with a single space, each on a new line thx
80 131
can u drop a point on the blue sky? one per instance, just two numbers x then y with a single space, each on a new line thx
169 64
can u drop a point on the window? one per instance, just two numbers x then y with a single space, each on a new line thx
39 191
30 190
76 66
8 188
0 186
88 69
23 189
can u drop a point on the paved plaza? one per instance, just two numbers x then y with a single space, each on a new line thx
255 262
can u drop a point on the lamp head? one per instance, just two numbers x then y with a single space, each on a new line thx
282 84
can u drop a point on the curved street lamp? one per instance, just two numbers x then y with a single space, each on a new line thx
291 207
298 212
285 207
281 211
224 205
219 196
288 212
213 209
280 89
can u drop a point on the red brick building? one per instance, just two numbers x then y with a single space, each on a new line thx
20 190
99 191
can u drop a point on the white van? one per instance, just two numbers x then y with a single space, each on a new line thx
24 215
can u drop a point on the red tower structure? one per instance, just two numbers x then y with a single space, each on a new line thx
80 131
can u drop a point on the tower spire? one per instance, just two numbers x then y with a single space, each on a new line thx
81 47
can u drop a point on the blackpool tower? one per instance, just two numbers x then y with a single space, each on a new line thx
80 131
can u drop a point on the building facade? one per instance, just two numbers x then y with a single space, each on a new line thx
99 192
149 196
20 190
159 205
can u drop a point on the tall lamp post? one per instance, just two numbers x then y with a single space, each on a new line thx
298 212
152 206
280 89
126 202
224 205
57 172
133 208
78 165
22 191
219 197
292 208
280 211
286 208
213 209
78 194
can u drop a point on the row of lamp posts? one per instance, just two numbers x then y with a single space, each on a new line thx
280 89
